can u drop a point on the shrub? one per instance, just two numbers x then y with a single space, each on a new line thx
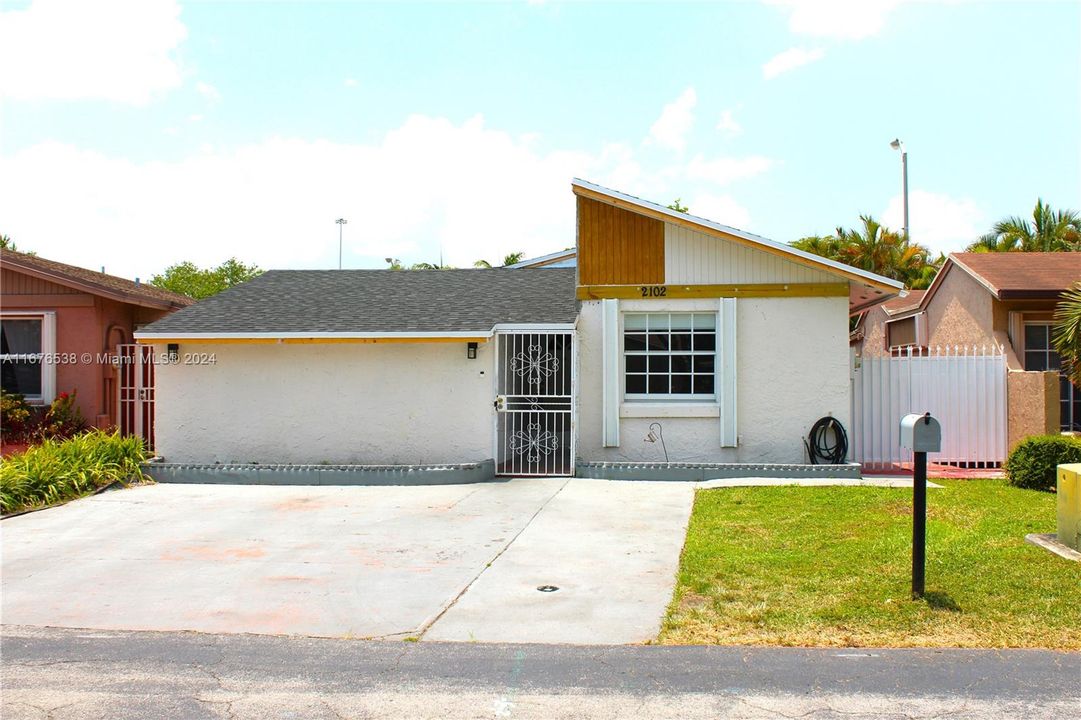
1032 463
14 415
60 470
63 419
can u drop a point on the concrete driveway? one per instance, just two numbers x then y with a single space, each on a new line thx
455 562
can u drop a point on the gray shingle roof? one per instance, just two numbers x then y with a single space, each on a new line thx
368 301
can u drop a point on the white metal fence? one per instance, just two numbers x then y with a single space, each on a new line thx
964 388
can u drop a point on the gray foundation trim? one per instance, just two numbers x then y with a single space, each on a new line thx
217 474
698 472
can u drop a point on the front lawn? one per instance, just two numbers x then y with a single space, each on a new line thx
831 566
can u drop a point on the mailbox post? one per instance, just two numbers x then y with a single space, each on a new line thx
921 434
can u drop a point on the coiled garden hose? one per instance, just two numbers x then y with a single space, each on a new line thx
827 443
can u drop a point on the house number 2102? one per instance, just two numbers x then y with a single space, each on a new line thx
653 291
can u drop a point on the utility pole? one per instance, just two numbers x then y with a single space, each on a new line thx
341 222
898 145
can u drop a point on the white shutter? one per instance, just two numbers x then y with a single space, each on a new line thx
610 376
726 370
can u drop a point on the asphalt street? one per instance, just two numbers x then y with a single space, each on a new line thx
65 673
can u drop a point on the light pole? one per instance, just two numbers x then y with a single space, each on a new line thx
898 145
341 222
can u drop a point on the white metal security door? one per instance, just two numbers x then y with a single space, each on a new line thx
535 403
135 390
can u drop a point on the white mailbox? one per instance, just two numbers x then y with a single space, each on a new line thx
921 433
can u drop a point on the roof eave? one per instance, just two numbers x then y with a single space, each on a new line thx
1029 294
94 288
584 188
160 336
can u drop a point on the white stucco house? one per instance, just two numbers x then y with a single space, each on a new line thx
661 324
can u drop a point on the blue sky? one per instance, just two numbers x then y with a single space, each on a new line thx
140 133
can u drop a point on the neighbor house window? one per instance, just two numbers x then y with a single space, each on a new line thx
669 356
26 342
901 333
1040 354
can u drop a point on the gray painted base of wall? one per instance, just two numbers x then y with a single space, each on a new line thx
698 472
165 472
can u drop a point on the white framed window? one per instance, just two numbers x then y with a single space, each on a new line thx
27 346
1040 354
670 356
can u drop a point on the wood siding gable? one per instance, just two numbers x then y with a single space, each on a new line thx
617 246
13 282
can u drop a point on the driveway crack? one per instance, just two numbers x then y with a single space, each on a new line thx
454 601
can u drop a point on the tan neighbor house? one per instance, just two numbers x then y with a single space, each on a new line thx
980 299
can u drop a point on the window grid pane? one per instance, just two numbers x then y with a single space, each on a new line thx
669 355
20 355
1040 354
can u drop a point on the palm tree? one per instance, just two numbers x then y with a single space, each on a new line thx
1066 334
508 259
826 246
1049 231
872 247
878 249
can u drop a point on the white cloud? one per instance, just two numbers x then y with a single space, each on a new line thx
672 127
725 170
208 91
939 221
350 82
119 50
791 59
195 118
847 19
728 124
720 208
427 187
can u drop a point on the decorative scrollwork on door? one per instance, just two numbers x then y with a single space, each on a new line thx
533 442
534 364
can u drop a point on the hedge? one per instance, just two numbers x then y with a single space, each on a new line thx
60 470
1032 463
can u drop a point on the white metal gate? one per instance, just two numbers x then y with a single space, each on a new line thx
135 391
535 403
964 388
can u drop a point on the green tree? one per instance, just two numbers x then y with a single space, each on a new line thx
678 207
6 243
508 259
1048 231
430 266
876 248
394 264
1066 332
188 279
826 246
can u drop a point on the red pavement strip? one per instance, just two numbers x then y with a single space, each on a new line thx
935 471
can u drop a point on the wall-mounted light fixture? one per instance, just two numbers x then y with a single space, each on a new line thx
471 350
173 351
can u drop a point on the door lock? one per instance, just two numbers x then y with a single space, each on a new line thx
500 403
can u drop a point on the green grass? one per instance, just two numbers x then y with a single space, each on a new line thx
60 470
831 566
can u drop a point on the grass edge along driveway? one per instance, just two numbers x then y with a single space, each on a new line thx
805 566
